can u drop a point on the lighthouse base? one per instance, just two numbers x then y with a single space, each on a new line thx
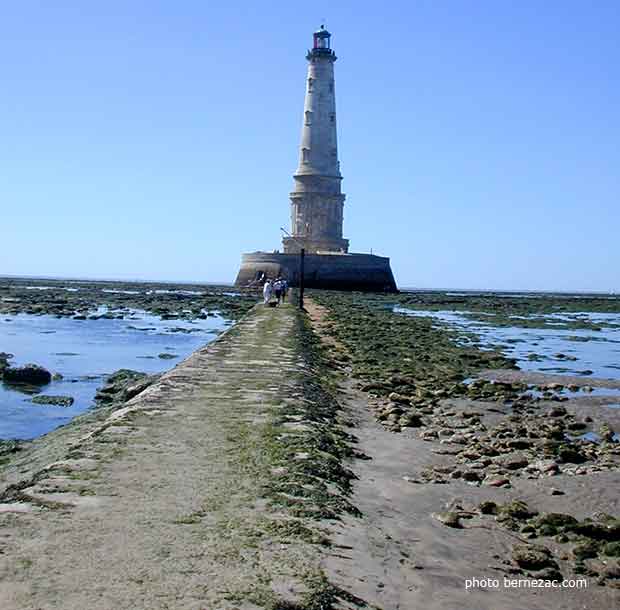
364 272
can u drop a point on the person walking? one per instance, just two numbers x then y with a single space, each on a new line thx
267 291
284 289
277 288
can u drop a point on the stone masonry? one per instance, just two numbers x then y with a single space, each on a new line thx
316 202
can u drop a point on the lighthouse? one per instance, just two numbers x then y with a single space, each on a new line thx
317 201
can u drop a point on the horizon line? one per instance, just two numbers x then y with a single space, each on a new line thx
227 283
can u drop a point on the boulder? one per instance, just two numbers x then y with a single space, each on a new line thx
488 508
57 401
399 398
571 454
29 373
123 385
586 550
517 509
532 557
513 461
612 549
559 521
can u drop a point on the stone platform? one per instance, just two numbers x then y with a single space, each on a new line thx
365 272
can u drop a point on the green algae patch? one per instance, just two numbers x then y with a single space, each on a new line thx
407 359
78 299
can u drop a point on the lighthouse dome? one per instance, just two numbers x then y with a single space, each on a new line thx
322 32
322 41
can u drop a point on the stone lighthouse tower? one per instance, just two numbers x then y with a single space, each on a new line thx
317 202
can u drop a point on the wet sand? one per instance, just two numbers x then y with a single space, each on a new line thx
401 554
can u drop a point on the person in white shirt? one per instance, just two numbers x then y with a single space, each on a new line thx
267 291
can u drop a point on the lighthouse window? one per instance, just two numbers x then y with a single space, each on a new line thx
332 118
331 87
310 81
308 114
305 155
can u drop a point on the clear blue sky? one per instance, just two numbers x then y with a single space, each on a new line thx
479 141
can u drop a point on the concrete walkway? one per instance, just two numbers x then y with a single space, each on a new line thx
166 502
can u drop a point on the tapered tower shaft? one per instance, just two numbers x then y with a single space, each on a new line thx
316 201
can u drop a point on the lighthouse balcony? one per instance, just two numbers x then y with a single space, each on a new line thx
318 52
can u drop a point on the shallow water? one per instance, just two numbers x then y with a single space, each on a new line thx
600 354
84 352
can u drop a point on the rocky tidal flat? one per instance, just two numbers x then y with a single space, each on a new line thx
507 436
61 340
80 299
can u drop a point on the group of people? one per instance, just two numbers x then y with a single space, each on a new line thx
277 288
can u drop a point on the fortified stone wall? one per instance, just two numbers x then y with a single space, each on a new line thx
364 272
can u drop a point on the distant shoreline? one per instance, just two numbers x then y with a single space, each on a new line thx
464 291
52 278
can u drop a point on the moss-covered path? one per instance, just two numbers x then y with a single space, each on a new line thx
204 492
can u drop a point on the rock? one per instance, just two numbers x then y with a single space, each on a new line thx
30 373
576 425
410 420
547 530
4 358
519 443
10 446
488 508
517 509
471 455
557 520
606 432
495 481
586 550
557 412
399 398
449 518
548 574
458 439
571 454
513 461
546 466
556 387
533 557
612 549
369 387
137 388
472 476
607 532
123 385
611 570
554 433
57 401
